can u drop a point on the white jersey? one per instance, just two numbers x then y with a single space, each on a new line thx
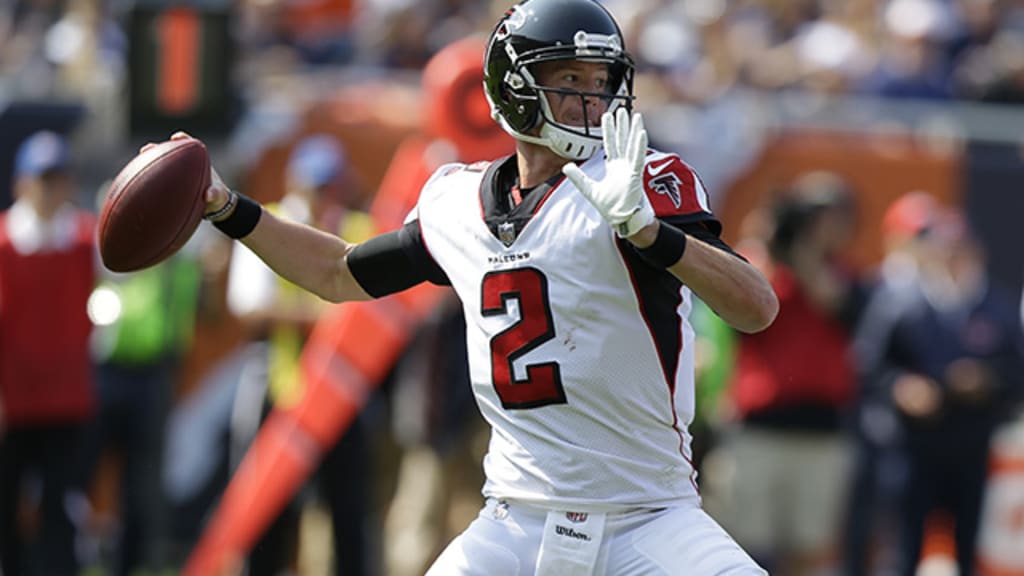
580 355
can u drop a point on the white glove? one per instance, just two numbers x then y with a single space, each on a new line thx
619 197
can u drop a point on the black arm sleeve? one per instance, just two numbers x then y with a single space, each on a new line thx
704 230
394 261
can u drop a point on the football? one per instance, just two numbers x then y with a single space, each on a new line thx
154 205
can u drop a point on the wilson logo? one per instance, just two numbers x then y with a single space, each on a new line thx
566 531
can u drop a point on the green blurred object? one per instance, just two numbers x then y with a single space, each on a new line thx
716 355
156 313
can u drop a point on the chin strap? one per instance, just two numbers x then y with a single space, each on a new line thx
569 146
566 145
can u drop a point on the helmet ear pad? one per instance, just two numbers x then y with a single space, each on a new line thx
514 103
518 86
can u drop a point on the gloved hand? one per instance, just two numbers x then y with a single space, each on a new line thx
619 196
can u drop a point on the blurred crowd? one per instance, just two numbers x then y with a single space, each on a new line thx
697 58
933 49
925 49
854 433
851 437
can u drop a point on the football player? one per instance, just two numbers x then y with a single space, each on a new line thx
575 260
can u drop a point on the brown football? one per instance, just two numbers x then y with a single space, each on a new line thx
154 205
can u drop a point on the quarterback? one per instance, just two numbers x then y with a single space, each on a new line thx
575 260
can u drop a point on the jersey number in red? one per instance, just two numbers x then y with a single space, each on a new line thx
543 383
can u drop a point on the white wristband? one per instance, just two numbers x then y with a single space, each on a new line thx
641 217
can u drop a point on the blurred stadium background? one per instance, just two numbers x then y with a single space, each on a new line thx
893 95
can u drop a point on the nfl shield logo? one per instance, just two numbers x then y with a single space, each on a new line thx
576 517
507 233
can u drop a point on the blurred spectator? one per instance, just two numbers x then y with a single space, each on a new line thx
86 47
278 317
23 27
833 53
145 324
976 24
995 72
914 62
62 49
321 30
880 469
316 32
782 469
942 343
47 270
405 34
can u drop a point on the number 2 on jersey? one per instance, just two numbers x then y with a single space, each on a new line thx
543 383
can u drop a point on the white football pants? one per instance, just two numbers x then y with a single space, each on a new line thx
506 540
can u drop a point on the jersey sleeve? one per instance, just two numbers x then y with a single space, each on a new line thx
676 192
442 171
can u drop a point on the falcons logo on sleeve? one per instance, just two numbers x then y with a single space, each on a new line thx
673 187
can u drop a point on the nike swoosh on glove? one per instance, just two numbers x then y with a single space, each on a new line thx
619 196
